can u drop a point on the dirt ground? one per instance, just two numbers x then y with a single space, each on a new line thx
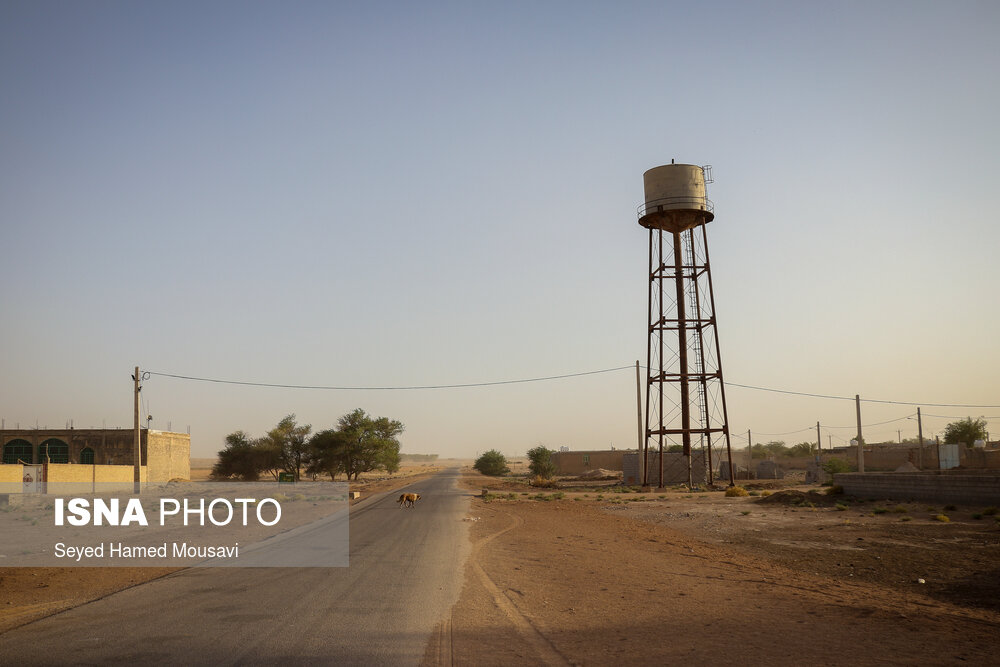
598 578
27 594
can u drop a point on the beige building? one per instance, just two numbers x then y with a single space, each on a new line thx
164 455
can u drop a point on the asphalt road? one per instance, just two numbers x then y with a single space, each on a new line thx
404 577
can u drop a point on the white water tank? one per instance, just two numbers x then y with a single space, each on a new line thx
675 198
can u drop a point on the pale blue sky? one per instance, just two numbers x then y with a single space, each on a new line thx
372 194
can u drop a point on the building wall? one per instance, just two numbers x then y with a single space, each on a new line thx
973 488
76 478
577 463
10 475
168 456
86 476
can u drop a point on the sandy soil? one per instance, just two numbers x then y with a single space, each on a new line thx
597 577
27 594
703 578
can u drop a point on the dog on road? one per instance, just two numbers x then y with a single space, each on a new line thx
408 499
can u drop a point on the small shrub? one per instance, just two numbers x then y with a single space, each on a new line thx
835 466
906 518
879 510
950 508
899 509
765 494
841 507
942 518
543 483
541 463
835 490
990 511
745 512
736 492
977 516
492 463
754 493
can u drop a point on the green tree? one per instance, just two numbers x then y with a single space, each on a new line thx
966 431
241 459
288 441
541 464
834 466
326 453
772 448
492 463
367 444
386 431
801 449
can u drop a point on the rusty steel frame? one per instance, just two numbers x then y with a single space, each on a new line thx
669 314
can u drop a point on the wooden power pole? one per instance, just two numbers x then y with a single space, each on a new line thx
136 446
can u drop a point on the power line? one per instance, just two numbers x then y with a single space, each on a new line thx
888 421
966 416
397 388
556 377
863 400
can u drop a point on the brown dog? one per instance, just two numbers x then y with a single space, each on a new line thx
408 499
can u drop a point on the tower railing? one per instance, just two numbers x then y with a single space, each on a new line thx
673 203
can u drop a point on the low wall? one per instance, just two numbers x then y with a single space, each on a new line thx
73 477
577 463
11 473
675 469
970 488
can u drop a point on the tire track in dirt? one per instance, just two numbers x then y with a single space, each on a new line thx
531 635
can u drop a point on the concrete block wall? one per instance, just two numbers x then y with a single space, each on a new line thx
168 456
10 478
77 478
577 463
963 487
674 468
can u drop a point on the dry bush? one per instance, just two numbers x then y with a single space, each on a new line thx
542 483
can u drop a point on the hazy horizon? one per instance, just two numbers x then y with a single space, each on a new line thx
392 195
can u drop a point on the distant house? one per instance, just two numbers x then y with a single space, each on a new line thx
165 455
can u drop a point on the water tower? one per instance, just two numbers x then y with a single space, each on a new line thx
685 394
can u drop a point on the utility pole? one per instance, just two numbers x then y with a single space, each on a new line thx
136 448
920 439
749 453
861 442
819 441
638 410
